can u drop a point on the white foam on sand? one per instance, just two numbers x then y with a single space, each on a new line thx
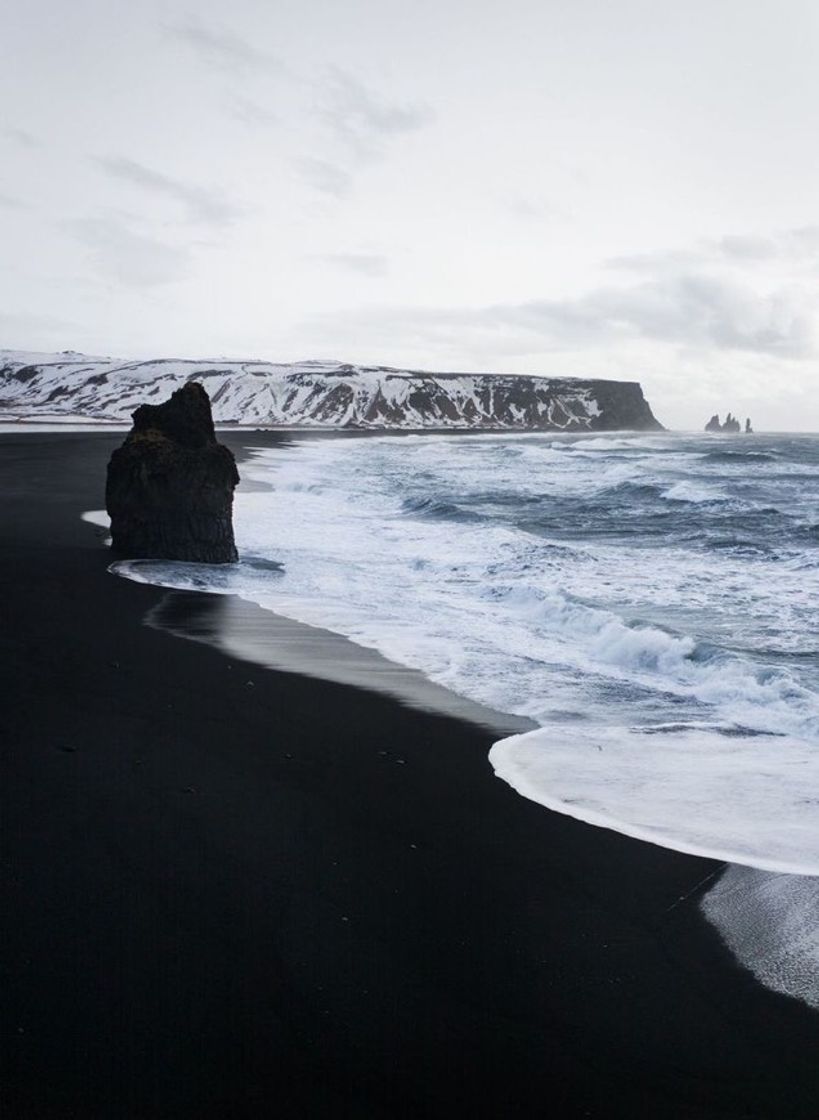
770 922
98 517
668 786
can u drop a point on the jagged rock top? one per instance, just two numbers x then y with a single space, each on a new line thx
186 418
731 424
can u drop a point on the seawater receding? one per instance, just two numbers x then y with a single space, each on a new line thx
101 521
770 922
98 517
243 630
674 793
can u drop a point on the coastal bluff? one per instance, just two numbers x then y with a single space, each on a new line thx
169 488
320 394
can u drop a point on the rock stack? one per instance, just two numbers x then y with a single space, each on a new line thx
170 486
731 424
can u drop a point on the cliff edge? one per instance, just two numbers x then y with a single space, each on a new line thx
318 394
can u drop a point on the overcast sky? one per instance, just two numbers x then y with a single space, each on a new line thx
611 188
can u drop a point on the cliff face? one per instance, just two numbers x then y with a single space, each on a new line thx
321 394
169 490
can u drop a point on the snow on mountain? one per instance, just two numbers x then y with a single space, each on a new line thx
315 394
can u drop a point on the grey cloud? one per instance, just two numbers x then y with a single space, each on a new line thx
787 246
220 46
366 264
691 311
687 309
25 326
805 237
747 247
20 136
203 204
128 257
328 178
363 121
691 298
11 201
252 113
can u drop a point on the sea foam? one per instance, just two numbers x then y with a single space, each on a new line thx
770 922
693 789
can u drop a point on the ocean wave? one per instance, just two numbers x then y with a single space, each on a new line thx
599 444
214 579
761 699
691 491
740 546
438 508
740 458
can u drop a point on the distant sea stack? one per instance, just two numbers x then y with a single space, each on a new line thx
731 424
169 492
318 394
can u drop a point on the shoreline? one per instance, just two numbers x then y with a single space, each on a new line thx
248 632
236 900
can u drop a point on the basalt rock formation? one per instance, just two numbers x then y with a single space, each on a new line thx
169 492
731 424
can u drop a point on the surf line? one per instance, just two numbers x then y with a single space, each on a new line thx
706 879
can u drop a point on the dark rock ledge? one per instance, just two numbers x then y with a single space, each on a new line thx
169 492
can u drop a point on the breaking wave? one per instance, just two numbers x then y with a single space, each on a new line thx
740 457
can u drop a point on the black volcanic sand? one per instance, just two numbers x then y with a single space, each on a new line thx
234 892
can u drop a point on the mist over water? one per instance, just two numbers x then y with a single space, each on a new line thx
649 601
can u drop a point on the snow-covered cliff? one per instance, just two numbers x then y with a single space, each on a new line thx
316 394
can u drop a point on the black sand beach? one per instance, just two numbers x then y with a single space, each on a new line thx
235 892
